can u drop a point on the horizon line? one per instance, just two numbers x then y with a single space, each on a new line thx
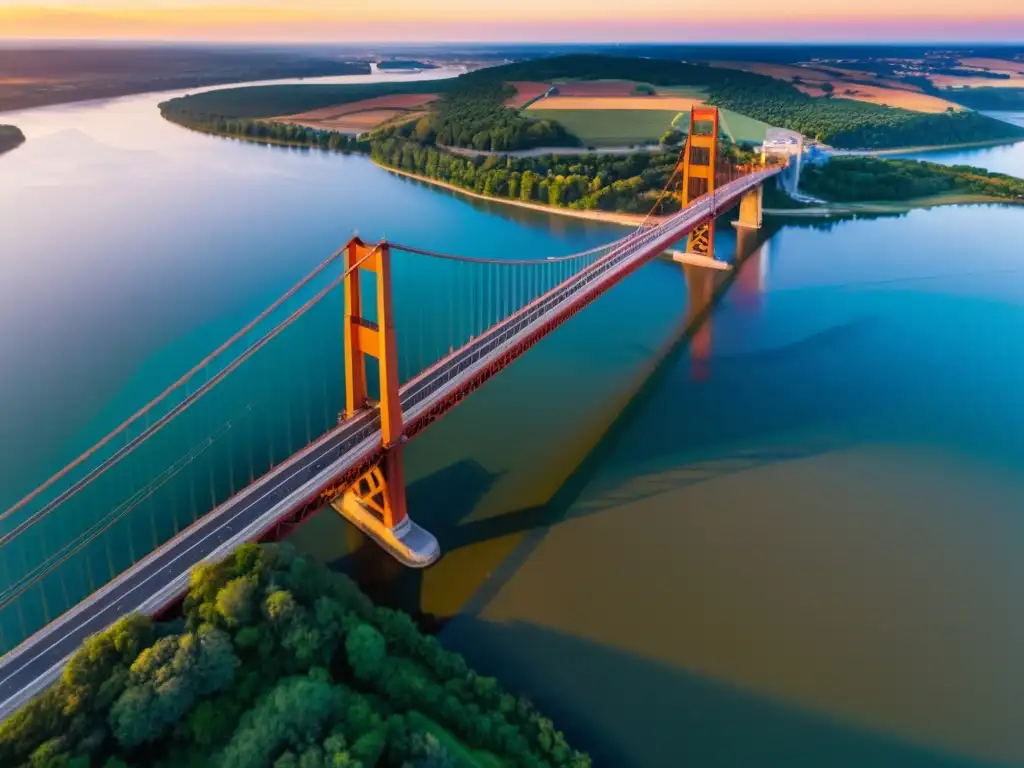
510 44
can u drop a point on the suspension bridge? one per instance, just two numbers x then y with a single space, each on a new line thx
309 406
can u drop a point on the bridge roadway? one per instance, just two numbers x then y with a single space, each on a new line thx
162 576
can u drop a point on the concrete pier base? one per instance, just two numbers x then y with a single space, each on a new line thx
698 260
407 542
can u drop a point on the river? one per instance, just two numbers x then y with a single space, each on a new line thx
794 541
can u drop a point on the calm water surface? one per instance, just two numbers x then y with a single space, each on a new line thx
1007 158
792 540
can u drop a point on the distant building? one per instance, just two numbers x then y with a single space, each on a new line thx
779 142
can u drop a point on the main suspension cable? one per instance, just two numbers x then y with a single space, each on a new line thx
181 407
176 385
515 262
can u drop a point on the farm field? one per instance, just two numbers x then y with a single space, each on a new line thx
956 81
612 127
779 71
1004 66
888 92
890 97
525 93
740 128
365 115
1015 70
686 91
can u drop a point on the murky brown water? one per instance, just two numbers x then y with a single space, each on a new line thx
791 548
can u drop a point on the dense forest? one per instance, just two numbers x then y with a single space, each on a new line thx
842 123
474 116
10 137
624 183
600 67
277 661
404 64
1009 99
262 101
471 111
852 179
273 132
845 123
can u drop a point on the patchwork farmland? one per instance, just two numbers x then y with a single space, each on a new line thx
361 116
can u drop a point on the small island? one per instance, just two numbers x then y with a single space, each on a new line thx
279 662
10 138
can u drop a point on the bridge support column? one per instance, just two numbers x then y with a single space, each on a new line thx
751 209
375 503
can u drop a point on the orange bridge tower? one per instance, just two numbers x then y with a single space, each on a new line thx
699 164
375 503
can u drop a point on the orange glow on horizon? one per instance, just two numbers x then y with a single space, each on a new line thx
529 20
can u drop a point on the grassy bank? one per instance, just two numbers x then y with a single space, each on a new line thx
611 217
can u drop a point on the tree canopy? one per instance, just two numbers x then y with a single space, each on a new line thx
277 662
851 179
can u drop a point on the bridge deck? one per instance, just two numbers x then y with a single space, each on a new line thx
162 576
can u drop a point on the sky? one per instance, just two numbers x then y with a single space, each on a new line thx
515 21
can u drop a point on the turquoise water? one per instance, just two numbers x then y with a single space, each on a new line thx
793 541
136 248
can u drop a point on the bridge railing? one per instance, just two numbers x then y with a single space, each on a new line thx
271 389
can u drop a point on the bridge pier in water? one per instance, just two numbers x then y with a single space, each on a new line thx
376 503
751 209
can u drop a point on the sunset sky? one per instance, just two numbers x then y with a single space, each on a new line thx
521 20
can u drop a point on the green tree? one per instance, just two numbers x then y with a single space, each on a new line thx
366 651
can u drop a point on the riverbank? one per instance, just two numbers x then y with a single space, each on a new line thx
903 206
609 217
909 150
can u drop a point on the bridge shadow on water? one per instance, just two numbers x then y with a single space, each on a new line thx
621 707
677 717
444 501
